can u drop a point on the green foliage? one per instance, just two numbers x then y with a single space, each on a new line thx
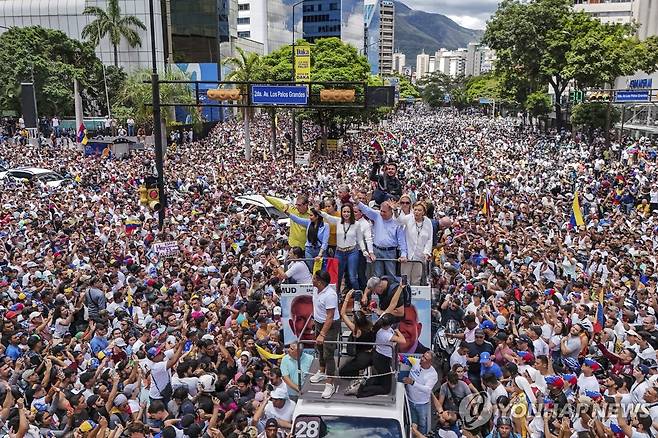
593 115
277 65
435 86
545 41
538 104
407 89
53 60
487 85
137 95
111 23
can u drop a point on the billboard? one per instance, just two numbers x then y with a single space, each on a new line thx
206 71
303 63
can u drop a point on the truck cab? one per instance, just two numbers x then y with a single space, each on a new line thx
380 416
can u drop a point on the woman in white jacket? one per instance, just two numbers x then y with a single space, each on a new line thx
418 230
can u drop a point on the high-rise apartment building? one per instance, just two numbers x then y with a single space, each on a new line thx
422 65
399 62
379 25
479 59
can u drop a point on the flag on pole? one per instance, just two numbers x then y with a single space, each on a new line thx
82 134
600 315
486 204
576 214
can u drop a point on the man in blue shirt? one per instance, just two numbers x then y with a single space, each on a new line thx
99 342
387 237
13 350
289 371
487 366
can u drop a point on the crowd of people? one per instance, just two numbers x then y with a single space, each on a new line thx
554 300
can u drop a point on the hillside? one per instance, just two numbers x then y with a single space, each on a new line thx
418 30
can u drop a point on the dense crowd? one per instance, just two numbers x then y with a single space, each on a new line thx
554 314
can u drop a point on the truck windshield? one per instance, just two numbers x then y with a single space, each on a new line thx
347 427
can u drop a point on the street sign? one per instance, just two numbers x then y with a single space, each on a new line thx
632 96
303 158
485 101
303 63
279 95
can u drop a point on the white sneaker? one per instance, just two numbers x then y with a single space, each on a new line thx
329 390
318 377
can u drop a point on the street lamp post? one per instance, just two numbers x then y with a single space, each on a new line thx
293 141
157 127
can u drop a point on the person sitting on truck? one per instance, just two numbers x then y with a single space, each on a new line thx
361 331
382 358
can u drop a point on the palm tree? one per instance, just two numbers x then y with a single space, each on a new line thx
111 22
247 67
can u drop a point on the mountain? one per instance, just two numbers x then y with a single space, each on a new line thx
416 31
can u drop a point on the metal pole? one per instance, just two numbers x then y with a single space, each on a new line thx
621 131
293 139
107 94
157 127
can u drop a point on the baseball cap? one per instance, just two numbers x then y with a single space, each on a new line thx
594 365
120 342
154 351
276 311
554 381
34 315
271 422
279 394
487 325
120 399
485 357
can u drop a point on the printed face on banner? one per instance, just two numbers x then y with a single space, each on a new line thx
416 325
296 308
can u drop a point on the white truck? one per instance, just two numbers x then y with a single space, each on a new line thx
380 416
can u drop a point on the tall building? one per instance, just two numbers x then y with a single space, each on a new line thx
66 16
608 11
422 65
451 62
399 62
479 59
268 22
379 25
333 18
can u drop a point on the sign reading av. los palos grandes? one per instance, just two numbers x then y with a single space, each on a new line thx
633 96
279 95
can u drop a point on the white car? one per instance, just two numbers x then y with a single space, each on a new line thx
3 171
50 178
264 207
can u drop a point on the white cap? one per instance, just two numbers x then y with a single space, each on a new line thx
276 311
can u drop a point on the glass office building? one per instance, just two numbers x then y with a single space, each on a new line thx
197 28
334 18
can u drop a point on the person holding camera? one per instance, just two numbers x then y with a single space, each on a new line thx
386 185
361 331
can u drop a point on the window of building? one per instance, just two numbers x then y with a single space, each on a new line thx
333 6
244 7
309 8
246 34
244 20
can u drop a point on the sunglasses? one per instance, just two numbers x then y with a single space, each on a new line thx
405 202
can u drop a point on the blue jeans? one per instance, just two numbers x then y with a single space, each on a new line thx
131 130
311 252
348 261
420 415
385 268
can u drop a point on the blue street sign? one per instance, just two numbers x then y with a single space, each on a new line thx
633 96
485 101
279 95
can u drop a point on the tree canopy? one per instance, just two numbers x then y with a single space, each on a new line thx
53 60
545 42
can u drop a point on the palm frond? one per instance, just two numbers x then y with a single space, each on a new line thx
131 20
131 36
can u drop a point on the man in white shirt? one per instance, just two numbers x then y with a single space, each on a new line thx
160 374
419 385
327 327
587 381
276 405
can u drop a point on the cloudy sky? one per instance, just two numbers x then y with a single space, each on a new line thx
468 13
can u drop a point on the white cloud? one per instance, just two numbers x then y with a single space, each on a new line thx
469 21
470 13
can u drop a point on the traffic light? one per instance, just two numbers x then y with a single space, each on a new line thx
599 97
224 94
149 194
338 96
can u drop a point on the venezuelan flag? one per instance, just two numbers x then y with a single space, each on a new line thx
576 214
600 314
81 133
486 204
132 225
